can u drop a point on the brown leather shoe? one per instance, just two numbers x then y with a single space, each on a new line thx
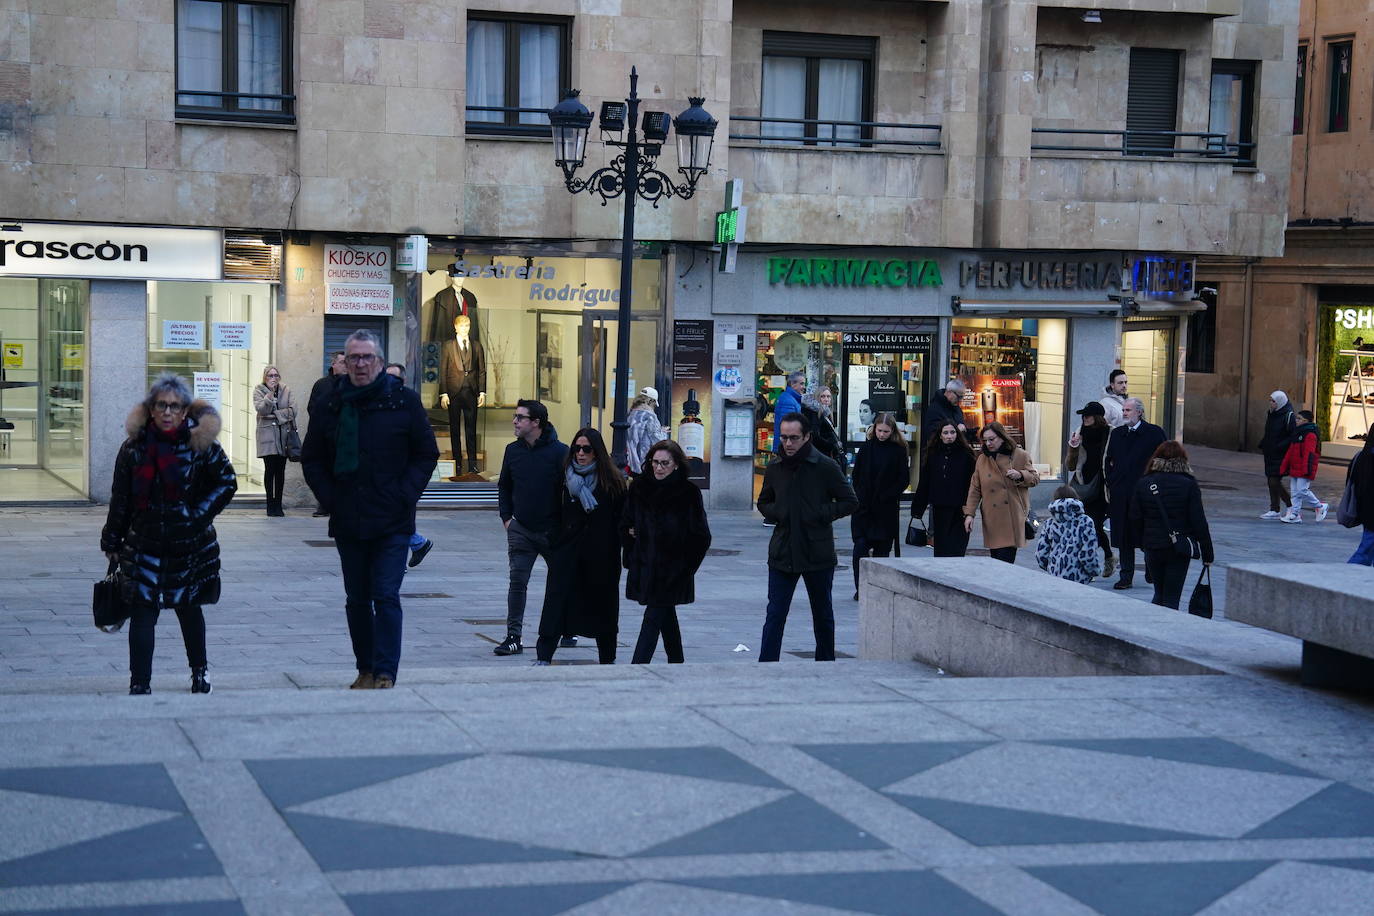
365 681
383 682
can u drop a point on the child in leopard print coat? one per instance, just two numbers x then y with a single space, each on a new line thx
1067 546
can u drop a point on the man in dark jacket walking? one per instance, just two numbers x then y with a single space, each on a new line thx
944 408
367 456
527 496
1128 451
802 495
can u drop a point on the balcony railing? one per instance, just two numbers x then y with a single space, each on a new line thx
1211 146
235 106
832 133
510 123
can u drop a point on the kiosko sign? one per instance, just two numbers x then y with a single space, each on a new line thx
357 264
112 252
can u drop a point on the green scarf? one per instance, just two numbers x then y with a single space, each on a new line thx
346 435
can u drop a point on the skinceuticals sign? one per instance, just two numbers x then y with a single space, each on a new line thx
111 252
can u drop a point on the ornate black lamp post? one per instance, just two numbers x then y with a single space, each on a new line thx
633 170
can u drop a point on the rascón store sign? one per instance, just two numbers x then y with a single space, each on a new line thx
357 280
111 252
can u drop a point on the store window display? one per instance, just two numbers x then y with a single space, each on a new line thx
463 387
1013 372
1345 377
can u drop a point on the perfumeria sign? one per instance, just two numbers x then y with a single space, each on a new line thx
111 252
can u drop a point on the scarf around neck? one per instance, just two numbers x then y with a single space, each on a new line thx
792 461
581 483
346 435
159 462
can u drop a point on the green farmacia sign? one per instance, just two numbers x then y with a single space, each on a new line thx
853 272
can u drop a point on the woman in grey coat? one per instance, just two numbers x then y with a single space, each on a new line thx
276 409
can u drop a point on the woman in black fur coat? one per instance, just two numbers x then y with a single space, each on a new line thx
665 535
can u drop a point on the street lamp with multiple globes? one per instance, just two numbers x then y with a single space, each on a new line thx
633 170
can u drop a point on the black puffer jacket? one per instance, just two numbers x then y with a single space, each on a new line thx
527 489
670 539
1182 500
1279 427
882 471
168 553
396 455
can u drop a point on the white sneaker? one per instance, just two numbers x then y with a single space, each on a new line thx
1271 514
1292 518
1321 511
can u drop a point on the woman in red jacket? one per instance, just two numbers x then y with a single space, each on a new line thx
1300 466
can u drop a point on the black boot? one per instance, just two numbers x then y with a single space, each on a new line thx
269 513
274 508
137 690
198 682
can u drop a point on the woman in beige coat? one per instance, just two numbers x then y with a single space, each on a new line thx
276 408
1002 477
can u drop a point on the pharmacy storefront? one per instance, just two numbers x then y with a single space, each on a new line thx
89 315
1031 334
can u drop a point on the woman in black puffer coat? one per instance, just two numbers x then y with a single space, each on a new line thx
946 469
882 472
1177 510
665 536
1279 426
171 479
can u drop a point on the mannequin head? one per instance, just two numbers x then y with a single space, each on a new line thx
462 326
449 280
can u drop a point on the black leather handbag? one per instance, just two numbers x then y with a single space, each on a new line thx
107 601
916 533
1200 604
1032 525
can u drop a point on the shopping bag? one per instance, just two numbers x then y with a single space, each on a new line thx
1200 604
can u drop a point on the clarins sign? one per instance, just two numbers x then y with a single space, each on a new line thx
111 252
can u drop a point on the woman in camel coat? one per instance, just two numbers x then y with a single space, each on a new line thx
1002 478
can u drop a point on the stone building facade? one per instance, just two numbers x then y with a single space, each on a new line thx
374 121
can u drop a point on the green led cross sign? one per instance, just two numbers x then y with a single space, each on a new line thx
727 227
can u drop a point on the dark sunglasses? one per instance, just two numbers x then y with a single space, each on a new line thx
584 448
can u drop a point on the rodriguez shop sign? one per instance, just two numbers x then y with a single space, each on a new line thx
111 252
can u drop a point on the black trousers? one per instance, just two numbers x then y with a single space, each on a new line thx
1005 554
142 625
1097 511
274 475
863 547
605 649
1169 572
658 618
462 413
947 528
1278 493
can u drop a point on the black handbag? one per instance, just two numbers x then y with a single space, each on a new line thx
290 441
1089 492
916 533
1200 604
1185 545
107 601
1032 525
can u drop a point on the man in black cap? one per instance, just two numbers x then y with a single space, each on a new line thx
1129 447
1083 462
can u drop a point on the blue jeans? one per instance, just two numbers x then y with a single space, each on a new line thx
1364 554
781 586
417 540
372 572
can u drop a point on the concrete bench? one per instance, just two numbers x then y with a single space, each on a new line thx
1329 606
980 617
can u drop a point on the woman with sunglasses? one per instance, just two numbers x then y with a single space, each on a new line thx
276 409
582 597
171 479
665 534
1002 477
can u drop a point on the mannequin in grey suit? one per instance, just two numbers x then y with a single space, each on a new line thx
462 387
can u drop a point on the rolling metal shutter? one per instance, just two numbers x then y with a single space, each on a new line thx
338 327
1152 100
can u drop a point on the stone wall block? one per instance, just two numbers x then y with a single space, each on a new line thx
1115 225
442 65
332 17
150 195
360 108
859 175
145 94
164 151
427 112
156 47
333 58
14 36
202 148
439 20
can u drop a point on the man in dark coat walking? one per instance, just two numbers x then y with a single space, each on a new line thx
527 497
367 456
802 495
1128 451
944 408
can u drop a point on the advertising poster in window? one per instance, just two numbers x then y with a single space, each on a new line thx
690 407
990 398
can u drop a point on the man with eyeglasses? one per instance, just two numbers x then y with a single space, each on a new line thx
803 494
368 454
527 496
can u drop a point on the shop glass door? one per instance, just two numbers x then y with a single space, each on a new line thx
600 336
1148 356
42 385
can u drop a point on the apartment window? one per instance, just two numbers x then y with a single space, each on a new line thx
1300 92
515 63
1152 101
1202 332
1338 55
1231 112
234 60
827 78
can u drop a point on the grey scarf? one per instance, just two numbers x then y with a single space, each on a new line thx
581 483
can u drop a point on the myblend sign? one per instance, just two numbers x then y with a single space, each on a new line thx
111 252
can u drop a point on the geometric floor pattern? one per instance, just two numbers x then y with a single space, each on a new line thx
78 824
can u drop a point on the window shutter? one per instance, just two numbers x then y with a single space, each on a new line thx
338 327
805 44
252 256
1152 100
